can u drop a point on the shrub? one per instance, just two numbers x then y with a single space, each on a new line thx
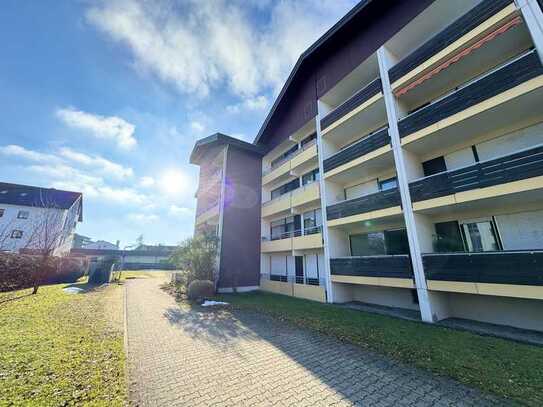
197 257
199 289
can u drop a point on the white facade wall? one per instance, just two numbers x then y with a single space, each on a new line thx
521 231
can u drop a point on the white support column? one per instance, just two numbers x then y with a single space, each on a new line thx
221 212
533 16
326 248
403 183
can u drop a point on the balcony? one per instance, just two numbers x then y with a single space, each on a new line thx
361 114
357 153
211 213
277 174
301 287
277 206
386 270
515 173
487 103
509 273
307 195
296 240
470 28
304 158
377 205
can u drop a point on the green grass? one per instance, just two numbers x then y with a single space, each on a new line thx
507 369
59 349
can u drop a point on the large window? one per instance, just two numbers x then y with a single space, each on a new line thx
310 177
481 236
448 238
286 188
312 221
284 228
380 243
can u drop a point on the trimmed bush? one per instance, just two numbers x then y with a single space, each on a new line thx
199 289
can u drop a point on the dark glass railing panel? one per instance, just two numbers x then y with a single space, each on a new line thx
519 267
508 76
275 277
364 146
372 266
352 103
450 34
372 202
513 167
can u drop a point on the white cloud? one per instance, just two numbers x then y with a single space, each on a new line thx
201 45
257 103
142 217
112 127
147 181
21 152
181 211
105 166
197 126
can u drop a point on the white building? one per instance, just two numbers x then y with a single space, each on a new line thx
35 218
101 245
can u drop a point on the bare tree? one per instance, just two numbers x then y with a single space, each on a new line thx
5 236
45 236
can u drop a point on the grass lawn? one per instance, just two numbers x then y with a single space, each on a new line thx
505 368
60 349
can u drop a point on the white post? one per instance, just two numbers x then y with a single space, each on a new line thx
533 16
403 183
326 249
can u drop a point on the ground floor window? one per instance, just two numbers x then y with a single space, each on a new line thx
380 243
480 235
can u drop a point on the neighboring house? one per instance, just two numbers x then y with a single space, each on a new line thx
402 166
100 244
35 218
155 248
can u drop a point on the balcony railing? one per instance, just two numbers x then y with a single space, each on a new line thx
372 89
514 167
289 193
362 147
508 267
389 266
507 76
206 208
448 36
296 233
372 202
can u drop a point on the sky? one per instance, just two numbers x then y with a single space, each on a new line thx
108 97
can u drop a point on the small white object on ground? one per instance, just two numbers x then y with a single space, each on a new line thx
207 303
73 290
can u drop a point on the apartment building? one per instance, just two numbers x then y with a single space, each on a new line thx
403 163
35 218
228 205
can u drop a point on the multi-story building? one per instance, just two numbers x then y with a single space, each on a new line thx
403 163
35 218
228 206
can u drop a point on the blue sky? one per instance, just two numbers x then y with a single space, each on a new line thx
108 97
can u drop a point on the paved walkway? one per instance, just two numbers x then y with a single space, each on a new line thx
202 358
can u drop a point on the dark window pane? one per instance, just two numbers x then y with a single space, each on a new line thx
448 238
434 166
396 242
370 244
309 139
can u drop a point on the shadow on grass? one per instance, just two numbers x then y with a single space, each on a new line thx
7 298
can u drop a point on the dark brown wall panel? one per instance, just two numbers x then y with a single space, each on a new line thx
240 252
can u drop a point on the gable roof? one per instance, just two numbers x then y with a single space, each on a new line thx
219 139
26 195
305 56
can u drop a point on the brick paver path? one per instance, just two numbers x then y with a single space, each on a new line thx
204 358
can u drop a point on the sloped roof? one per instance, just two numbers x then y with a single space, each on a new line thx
219 139
305 56
26 195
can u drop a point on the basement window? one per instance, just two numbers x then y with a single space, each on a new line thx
1 212
16 234
22 215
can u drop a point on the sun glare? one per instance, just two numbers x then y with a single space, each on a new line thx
174 182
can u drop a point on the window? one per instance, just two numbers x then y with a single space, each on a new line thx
1 212
310 177
312 221
379 243
448 238
22 215
434 166
284 228
309 139
387 184
286 188
16 234
481 236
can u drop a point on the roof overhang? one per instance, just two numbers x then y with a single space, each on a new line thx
204 145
